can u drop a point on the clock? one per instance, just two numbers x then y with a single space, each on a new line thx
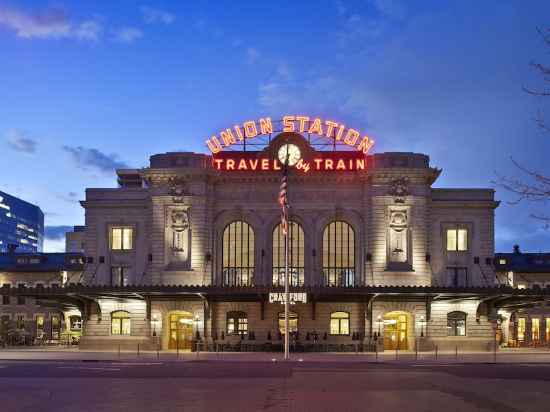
289 154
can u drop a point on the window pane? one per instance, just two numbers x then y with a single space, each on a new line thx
125 326
334 326
115 326
535 329
127 238
295 255
339 254
521 329
451 239
238 254
462 240
116 239
344 326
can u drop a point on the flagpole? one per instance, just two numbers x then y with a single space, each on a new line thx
287 299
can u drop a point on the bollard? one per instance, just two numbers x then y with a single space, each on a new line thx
138 351
376 349
456 352
435 352
396 351
356 349
177 351
158 353
119 350
198 350
416 351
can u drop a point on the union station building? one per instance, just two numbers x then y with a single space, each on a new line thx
191 249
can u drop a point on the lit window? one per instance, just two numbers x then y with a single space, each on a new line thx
535 330
39 326
522 286
456 324
20 321
502 261
521 329
547 331
292 322
295 255
120 323
75 322
339 323
237 323
238 254
457 240
339 254
122 238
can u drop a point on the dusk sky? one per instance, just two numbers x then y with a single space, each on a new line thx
88 87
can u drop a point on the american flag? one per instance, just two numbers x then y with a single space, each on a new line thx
283 201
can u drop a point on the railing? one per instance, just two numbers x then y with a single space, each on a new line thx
238 277
338 277
296 276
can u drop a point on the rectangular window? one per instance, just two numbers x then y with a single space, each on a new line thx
5 300
547 331
535 330
39 326
119 276
457 240
521 329
457 277
20 300
20 322
122 238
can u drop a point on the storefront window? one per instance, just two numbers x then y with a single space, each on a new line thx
535 330
292 322
521 329
339 254
456 324
238 254
295 255
339 323
547 334
120 323
39 326
237 323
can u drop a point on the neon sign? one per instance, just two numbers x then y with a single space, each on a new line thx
337 132
319 162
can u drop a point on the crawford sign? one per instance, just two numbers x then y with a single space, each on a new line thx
294 297
329 129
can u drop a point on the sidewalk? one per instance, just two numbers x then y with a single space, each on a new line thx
524 355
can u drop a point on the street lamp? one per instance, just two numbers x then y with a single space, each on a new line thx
197 326
379 322
154 322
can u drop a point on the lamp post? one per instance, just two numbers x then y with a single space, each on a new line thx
379 322
422 323
155 320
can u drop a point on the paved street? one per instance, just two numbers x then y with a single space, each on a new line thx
242 385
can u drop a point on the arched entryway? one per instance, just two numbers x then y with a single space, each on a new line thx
396 330
180 330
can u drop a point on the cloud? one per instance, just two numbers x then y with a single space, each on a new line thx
19 142
152 15
127 35
49 24
252 55
89 30
93 159
71 197
56 232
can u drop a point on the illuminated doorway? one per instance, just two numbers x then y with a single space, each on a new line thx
396 330
181 331
292 323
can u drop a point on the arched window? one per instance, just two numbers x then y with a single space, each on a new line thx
295 255
339 254
237 323
238 254
120 323
339 323
292 322
456 323
75 323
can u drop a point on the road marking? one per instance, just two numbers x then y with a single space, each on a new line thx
88 368
136 363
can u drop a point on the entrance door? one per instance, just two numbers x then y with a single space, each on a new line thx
181 331
395 331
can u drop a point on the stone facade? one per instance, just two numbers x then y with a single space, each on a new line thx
180 206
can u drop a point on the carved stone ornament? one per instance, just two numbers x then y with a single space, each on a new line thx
177 188
398 218
179 220
399 187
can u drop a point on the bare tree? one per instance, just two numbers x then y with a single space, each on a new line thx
533 186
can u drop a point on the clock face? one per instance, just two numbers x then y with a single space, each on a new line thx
289 154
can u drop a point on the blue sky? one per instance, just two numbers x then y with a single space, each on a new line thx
90 86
